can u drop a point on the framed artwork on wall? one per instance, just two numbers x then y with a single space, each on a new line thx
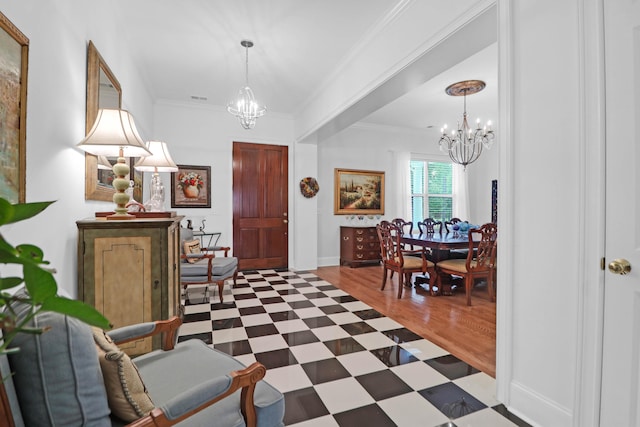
494 201
14 52
358 192
191 187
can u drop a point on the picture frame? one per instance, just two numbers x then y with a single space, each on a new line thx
191 187
14 50
358 192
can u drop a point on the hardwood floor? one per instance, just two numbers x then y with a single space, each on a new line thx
468 333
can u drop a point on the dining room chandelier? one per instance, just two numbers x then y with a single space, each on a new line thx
464 144
245 107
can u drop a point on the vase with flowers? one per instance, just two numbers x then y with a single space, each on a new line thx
190 183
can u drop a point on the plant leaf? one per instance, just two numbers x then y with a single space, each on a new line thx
77 309
40 283
9 282
10 213
31 253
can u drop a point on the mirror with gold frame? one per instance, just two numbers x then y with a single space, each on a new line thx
103 91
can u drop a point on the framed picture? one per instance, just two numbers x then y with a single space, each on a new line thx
14 54
494 201
358 192
191 187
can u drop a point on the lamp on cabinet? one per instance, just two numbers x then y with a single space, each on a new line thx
114 133
159 161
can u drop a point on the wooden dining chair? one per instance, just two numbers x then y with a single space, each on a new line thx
480 266
428 226
449 224
394 258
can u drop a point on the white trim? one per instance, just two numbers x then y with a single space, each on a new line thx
506 207
592 221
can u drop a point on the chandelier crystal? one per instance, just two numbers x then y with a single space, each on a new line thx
245 107
464 144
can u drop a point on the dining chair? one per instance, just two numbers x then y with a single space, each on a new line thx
394 258
480 264
406 227
428 226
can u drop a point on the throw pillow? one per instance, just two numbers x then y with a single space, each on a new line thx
192 247
126 393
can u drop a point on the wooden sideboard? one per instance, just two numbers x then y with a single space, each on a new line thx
130 271
359 245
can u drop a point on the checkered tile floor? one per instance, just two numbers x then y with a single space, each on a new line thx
338 361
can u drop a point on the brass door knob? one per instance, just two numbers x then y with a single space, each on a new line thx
619 266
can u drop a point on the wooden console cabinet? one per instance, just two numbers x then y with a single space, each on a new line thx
359 245
130 271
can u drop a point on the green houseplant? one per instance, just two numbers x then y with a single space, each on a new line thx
37 278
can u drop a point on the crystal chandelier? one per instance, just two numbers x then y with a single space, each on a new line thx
245 107
465 145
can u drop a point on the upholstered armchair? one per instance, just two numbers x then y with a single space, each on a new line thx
201 266
73 374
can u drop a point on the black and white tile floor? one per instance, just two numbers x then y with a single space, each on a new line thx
338 361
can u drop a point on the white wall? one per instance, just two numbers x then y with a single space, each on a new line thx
58 33
540 291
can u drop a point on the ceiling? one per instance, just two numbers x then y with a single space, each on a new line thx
190 51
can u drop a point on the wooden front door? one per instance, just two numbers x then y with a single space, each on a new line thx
260 205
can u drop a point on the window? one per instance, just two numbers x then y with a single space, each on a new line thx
431 190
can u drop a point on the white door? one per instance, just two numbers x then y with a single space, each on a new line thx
621 356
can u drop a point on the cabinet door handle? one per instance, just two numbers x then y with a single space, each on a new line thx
359 231
359 239
360 247
345 238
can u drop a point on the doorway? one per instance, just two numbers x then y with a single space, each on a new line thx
260 205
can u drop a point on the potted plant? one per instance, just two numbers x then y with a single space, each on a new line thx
37 278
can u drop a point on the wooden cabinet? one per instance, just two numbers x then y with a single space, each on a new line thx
130 271
359 245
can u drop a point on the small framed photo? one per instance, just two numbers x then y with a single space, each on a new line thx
191 187
358 192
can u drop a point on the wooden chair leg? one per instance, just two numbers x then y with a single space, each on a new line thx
400 284
220 284
491 287
468 284
384 278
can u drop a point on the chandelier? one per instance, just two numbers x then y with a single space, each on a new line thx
245 107
464 145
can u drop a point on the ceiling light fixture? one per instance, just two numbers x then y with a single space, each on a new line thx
465 145
245 107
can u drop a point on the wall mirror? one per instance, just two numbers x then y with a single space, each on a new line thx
103 91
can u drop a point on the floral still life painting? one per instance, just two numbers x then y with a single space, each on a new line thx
191 187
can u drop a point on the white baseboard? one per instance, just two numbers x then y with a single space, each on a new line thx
535 409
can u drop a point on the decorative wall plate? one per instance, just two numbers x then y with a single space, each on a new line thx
309 187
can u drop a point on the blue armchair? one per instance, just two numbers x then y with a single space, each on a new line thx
57 380
201 266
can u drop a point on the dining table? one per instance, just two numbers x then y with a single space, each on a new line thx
441 245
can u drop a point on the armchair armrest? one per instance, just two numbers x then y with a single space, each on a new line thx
142 330
188 403
212 249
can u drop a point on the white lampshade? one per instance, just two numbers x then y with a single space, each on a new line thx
159 161
114 130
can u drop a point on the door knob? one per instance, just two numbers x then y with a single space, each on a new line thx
619 266
285 221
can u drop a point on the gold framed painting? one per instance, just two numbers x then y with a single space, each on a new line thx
14 51
358 192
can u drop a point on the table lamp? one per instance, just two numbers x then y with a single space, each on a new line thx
159 161
114 133
104 163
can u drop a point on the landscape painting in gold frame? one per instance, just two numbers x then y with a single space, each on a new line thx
14 52
358 192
